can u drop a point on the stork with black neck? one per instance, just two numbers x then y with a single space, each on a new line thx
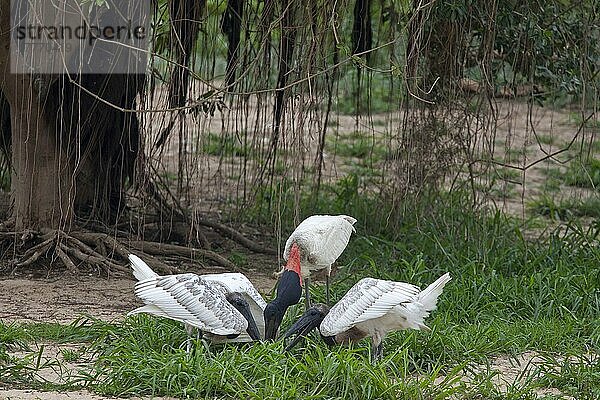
314 245
320 240
216 305
371 308
289 292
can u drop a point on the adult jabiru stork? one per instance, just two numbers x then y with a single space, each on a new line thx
236 282
200 302
371 308
320 240
314 245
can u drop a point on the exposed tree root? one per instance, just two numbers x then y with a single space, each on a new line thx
153 248
106 252
113 247
76 250
70 251
235 235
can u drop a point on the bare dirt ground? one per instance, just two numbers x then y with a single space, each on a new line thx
60 297
65 298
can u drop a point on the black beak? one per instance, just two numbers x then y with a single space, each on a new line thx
240 304
307 322
271 327
252 329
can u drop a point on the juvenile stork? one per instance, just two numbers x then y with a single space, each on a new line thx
371 308
314 245
216 307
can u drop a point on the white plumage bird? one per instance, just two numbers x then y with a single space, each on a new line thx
216 306
320 240
371 308
235 282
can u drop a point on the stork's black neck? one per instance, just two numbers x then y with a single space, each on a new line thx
289 290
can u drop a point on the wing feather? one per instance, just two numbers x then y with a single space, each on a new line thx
237 282
369 298
189 299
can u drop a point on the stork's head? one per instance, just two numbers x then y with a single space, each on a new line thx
310 320
239 302
289 292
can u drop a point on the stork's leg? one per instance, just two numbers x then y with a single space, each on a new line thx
188 343
306 294
376 349
327 289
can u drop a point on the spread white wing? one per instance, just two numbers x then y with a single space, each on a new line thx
321 239
190 299
368 299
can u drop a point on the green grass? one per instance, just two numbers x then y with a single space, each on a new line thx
547 139
359 146
514 155
379 93
224 145
507 174
583 174
567 208
593 123
508 295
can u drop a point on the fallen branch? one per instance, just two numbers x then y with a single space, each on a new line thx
172 249
235 235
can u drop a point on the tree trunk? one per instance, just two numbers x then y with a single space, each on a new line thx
70 152
41 183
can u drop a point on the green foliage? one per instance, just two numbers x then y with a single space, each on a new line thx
224 145
566 208
584 174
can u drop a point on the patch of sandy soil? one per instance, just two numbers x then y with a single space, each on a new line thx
66 298
506 371
29 394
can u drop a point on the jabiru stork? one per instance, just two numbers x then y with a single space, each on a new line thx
314 245
371 308
200 302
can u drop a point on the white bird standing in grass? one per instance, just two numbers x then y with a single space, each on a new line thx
371 308
212 306
320 239
314 245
